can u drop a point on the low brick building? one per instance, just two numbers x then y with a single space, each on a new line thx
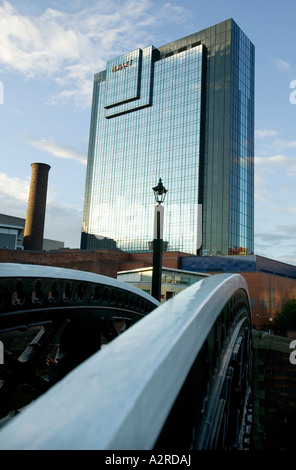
271 283
99 262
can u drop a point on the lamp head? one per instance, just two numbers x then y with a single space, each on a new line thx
159 192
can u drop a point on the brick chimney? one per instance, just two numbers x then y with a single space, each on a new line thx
34 226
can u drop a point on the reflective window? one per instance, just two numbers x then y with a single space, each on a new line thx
183 113
133 150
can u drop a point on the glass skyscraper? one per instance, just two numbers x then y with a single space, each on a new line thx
183 112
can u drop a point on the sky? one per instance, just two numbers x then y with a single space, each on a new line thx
49 53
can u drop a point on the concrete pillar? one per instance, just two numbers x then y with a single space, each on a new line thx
34 227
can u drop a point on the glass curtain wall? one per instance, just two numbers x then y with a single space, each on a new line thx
139 140
241 201
185 113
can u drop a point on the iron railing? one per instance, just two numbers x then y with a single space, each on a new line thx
179 378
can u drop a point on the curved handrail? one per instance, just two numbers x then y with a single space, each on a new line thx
121 397
32 290
15 271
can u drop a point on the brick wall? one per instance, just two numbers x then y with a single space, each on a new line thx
98 262
128 261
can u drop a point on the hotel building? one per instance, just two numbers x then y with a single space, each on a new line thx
183 112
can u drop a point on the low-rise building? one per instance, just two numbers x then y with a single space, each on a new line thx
173 280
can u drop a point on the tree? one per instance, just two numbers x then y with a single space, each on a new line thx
287 316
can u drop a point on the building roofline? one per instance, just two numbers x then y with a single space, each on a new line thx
164 268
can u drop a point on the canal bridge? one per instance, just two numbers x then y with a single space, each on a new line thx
91 362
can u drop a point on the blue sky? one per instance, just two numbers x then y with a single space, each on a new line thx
49 52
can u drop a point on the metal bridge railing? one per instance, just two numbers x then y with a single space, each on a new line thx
179 378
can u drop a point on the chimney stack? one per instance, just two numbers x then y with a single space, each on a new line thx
34 226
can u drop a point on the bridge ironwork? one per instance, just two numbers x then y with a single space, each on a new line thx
179 378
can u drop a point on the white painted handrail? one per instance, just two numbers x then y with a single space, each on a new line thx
120 398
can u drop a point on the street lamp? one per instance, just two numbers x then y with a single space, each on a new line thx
159 194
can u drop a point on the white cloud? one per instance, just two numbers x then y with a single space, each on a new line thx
282 65
285 143
262 133
284 162
70 47
277 241
59 150
38 45
13 188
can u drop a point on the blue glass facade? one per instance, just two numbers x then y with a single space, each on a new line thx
183 113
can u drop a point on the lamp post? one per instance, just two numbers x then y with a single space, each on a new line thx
159 194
